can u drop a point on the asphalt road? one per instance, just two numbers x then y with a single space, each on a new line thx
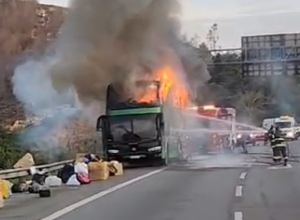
31 207
236 187
272 193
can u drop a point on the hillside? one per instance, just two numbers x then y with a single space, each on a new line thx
30 28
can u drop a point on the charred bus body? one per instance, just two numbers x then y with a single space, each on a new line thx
134 131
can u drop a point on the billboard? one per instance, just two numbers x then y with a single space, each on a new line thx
268 55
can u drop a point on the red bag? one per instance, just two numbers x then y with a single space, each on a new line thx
83 178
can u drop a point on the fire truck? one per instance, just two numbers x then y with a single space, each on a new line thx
219 124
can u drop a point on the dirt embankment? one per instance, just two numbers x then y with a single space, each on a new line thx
26 27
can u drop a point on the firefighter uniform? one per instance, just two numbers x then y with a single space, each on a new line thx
279 147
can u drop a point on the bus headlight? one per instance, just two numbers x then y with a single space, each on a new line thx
239 136
157 148
113 151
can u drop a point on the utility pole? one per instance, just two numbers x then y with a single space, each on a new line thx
212 37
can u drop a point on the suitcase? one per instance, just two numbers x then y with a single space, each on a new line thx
115 168
98 171
44 192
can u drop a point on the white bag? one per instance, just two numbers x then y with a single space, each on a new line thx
73 181
81 168
53 181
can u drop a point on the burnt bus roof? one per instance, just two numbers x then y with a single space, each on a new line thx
115 102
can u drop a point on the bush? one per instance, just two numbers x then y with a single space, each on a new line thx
10 150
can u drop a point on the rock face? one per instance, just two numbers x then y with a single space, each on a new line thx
30 27
25 162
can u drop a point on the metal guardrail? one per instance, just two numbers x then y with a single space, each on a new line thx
23 172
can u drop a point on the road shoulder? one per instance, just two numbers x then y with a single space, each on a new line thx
31 207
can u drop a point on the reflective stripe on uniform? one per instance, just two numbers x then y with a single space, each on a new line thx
279 145
277 157
277 140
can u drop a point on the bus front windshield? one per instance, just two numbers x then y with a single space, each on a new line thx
141 126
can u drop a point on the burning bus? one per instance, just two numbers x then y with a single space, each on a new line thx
133 128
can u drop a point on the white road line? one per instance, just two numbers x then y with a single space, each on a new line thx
238 216
83 202
243 175
239 191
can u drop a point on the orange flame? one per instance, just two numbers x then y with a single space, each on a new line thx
169 83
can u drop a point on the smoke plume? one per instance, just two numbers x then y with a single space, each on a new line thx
102 42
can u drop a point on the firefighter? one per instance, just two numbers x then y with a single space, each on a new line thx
279 146
242 143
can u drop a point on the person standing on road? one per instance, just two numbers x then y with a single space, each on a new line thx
242 143
279 147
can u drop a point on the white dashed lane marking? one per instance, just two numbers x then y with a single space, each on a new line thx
238 216
238 191
243 175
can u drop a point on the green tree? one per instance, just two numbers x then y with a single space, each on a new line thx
251 104
204 53
10 150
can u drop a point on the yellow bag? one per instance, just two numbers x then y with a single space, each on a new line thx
5 188
98 171
115 168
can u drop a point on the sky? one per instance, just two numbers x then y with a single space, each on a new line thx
235 18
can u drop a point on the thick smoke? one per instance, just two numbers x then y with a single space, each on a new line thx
102 42
282 94
284 91
108 42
